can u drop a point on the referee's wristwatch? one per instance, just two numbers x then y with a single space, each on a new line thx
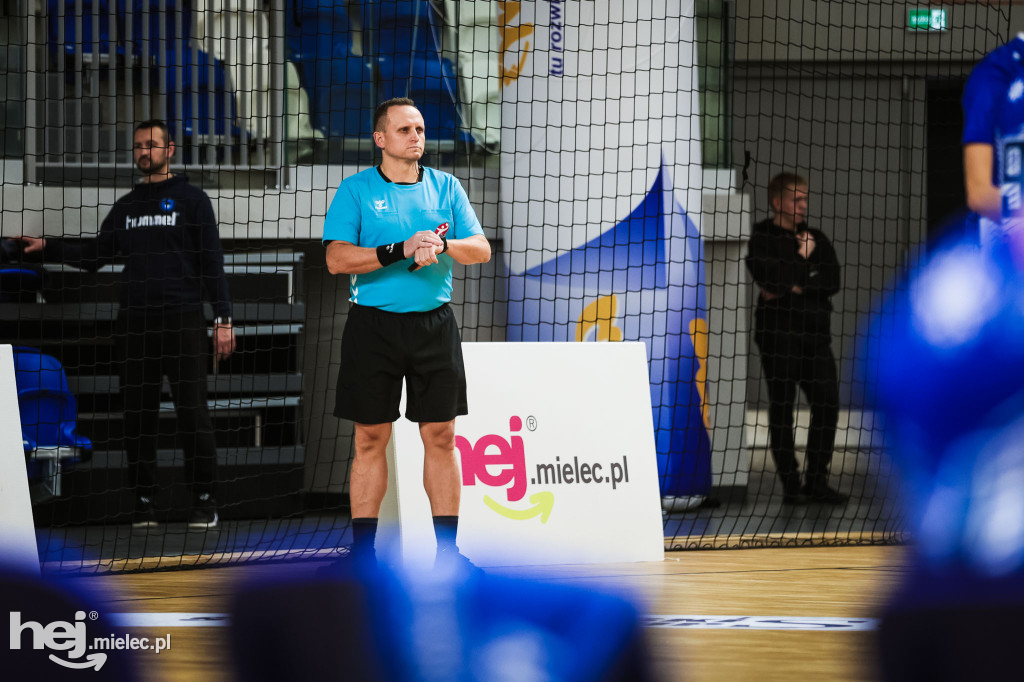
225 321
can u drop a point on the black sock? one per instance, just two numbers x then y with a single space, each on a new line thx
446 528
364 534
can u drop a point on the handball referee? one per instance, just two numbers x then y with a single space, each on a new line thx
166 231
396 230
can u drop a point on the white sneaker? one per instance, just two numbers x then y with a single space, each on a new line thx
682 503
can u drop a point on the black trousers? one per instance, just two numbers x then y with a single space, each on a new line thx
174 345
791 361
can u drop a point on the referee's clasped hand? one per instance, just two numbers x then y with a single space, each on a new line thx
423 247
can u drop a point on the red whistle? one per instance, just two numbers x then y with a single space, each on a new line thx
441 230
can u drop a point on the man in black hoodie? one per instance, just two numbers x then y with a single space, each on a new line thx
166 233
796 270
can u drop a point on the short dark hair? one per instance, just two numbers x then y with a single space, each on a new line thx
155 123
781 181
381 112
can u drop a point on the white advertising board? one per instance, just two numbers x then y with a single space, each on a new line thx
17 531
557 458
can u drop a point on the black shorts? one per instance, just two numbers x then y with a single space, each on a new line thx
379 349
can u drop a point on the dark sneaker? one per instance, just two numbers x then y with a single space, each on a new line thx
204 512
791 490
822 494
347 565
682 503
144 516
794 497
452 561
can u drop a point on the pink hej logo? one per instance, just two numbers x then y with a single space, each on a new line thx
496 461
507 456
500 462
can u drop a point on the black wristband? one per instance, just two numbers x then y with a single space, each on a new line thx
445 240
390 253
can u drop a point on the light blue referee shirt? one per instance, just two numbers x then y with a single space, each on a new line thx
368 210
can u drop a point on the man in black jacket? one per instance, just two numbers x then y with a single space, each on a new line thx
166 233
796 270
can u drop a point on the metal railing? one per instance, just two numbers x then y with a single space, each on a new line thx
97 67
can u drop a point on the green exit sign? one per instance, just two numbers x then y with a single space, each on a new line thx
927 19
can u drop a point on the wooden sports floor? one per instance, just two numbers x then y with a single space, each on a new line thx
806 585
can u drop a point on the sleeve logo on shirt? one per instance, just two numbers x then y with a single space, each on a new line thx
167 205
380 204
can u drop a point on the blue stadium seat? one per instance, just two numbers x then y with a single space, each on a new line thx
93 34
403 26
154 30
426 80
49 413
411 64
193 72
318 27
341 98
143 28
19 284
339 83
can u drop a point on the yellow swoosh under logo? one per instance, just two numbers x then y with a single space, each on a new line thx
542 502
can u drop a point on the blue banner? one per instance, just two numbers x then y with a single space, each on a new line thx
642 280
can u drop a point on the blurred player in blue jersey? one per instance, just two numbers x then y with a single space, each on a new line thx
946 376
994 142
947 381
